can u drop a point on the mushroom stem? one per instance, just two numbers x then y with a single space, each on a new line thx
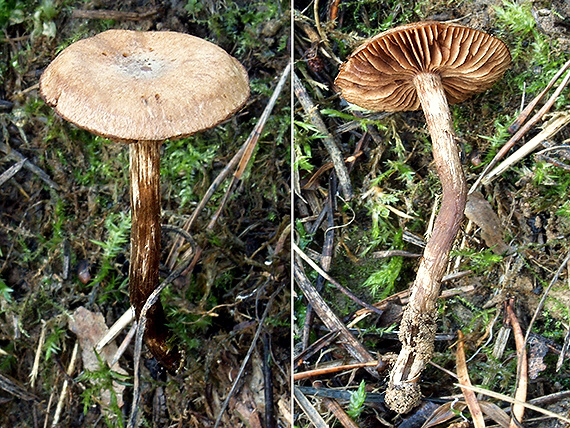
145 248
417 329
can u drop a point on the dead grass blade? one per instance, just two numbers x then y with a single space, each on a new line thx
336 409
444 413
522 367
331 321
463 376
327 139
523 130
309 410
511 400
495 413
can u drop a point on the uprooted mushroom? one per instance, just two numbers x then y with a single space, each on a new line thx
144 88
427 65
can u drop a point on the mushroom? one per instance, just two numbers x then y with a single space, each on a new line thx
144 88
427 65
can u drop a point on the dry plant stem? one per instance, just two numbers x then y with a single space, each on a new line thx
522 367
522 131
417 329
463 376
328 141
308 409
329 319
336 409
145 248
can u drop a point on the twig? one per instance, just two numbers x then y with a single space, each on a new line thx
17 156
116 328
124 344
12 171
339 287
247 356
12 387
70 369
522 367
463 375
328 370
327 139
315 347
530 107
331 321
403 297
309 410
243 154
544 295
267 382
326 256
523 130
552 127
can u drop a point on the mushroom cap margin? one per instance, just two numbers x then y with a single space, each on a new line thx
153 86
378 75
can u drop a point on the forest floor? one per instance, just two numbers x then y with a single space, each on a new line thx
65 222
509 262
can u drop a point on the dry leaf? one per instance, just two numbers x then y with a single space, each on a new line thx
480 212
89 328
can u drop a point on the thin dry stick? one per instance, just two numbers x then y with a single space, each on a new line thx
309 410
12 154
36 366
326 256
512 400
463 376
552 127
509 144
242 156
544 295
339 287
247 356
331 321
12 171
329 370
116 328
327 139
522 367
336 409
525 113
69 372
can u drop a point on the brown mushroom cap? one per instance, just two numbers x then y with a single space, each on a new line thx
378 75
153 86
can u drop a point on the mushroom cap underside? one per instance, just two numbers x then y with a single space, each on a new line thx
379 74
152 86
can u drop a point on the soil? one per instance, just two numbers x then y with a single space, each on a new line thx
377 235
64 230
